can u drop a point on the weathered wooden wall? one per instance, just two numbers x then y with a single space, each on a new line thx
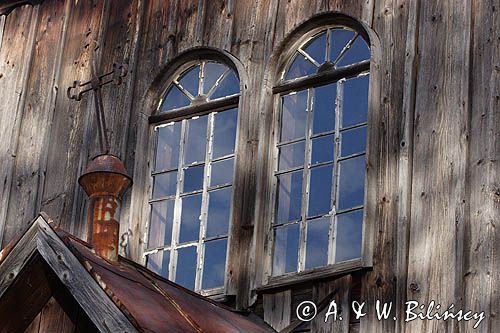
436 155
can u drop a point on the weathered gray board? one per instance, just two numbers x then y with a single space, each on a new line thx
434 156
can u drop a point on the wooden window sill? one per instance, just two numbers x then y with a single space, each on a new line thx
290 279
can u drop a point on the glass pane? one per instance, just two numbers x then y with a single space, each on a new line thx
174 99
230 85
190 219
215 264
186 267
292 155
301 66
190 80
358 51
286 249
162 218
349 236
352 183
320 190
289 197
338 40
212 72
316 48
294 116
164 184
324 108
222 172
196 140
317 243
353 141
158 263
225 124
355 101
219 211
167 148
193 178
323 149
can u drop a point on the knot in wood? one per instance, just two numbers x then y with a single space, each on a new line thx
414 287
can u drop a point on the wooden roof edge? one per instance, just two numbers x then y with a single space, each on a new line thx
9 5
41 237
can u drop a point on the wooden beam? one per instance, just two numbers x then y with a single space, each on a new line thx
97 305
277 309
9 5
103 313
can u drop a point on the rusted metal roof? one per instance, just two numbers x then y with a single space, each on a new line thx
154 304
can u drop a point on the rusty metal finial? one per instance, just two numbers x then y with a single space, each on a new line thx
96 82
105 180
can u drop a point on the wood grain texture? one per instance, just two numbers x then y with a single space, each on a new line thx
439 196
54 319
340 321
34 326
62 165
36 118
386 93
481 269
277 309
432 192
15 60
104 314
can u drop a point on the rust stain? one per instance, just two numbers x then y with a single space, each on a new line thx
105 180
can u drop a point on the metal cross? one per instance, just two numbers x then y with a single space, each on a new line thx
77 90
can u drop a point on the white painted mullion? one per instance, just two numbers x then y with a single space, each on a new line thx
217 82
327 51
178 205
204 203
335 177
305 183
269 264
345 49
201 78
311 59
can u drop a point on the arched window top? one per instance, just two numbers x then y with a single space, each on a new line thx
333 47
203 81
320 138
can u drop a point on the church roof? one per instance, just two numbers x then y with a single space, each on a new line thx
133 297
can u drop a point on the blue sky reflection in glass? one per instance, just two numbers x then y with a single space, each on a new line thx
202 82
338 46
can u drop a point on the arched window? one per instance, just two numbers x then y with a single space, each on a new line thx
320 148
192 176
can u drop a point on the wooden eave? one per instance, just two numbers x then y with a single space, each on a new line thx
117 296
40 239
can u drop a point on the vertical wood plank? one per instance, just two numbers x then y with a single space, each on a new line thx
481 271
54 319
405 160
159 43
62 163
2 28
390 20
218 23
15 61
342 299
439 203
119 40
34 326
36 118
277 309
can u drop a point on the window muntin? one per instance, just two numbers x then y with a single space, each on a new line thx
202 82
336 47
320 164
192 176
